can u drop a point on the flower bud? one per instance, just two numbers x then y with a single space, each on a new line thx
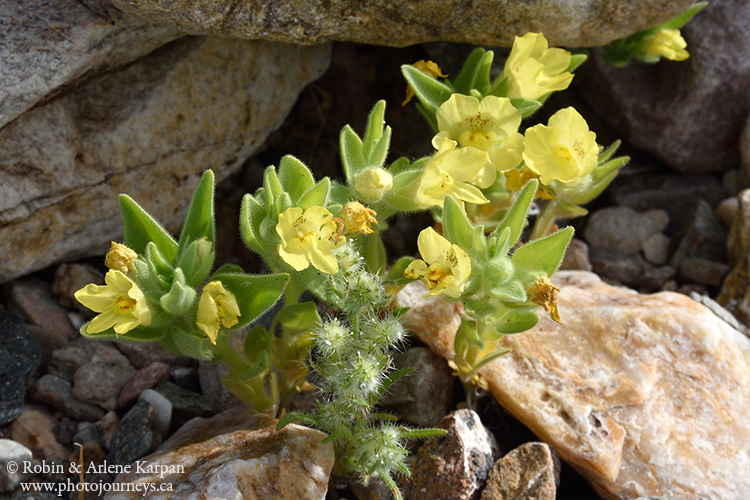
373 183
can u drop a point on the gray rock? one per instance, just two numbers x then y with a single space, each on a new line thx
32 299
66 361
69 278
530 472
745 155
654 278
210 101
623 228
678 195
237 454
702 271
454 466
15 454
142 355
143 379
210 375
133 437
162 416
107 426
406 22
19 357
58 393
101 380
426 395
186 405
688 114
186 377
577 256
88 432
705 238
49 44
738 242
621 265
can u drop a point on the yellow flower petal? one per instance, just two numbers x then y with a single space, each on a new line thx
667 43
309 237
121 304
445 268
533 70
217 307
120 258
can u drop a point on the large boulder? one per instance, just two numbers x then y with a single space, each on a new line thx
688 114
148 129
646 395
405 22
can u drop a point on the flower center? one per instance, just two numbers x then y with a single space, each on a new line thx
303 237
479 139
124 304
435 274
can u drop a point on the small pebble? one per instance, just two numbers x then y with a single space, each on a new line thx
133 437
32 299
35 429
100 381
162 416
107 426
11 451
58 393
726 211
529 472
703 272
69 278
185 404
143 379
656 249
576 256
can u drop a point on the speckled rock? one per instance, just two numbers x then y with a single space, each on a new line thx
69 278
143 379
623 228
454 466
19 358
643 394
101 379
406 22
670 109
530 472
149 129
577 256
237 454
133 437
142 355
32 299
185 404
735 291
58 393
77 353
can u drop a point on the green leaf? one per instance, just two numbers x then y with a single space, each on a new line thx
295 177
515 321
482 77
466 77
316 196
252 214
141 228
294 417
373 251
299 318
515 219
137 335
575 61
607 153
399 165
255 293
526 107
374 129
192 346
510 291
545 254
422 433
429 115
490 358
430 92
681 20
458 227
379 152
196 261
352 154
199 222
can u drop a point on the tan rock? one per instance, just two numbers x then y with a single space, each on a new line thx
405 22
530 472
738 243
149 130
35 430
643 394
236 454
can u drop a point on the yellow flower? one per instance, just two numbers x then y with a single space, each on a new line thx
217 307
373 183
489 125
120 258
429 68
120 304
534 70
357 218
445 267
450 171
309 238
564 149
666 43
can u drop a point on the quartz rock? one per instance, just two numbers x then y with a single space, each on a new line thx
237 454
642 394
530 472
11 451
148 129
406 22
454 466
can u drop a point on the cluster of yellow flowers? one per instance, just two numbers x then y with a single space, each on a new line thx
478 139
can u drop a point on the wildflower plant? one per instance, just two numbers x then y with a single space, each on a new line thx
324 237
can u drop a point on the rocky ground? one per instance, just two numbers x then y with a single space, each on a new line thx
636 394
